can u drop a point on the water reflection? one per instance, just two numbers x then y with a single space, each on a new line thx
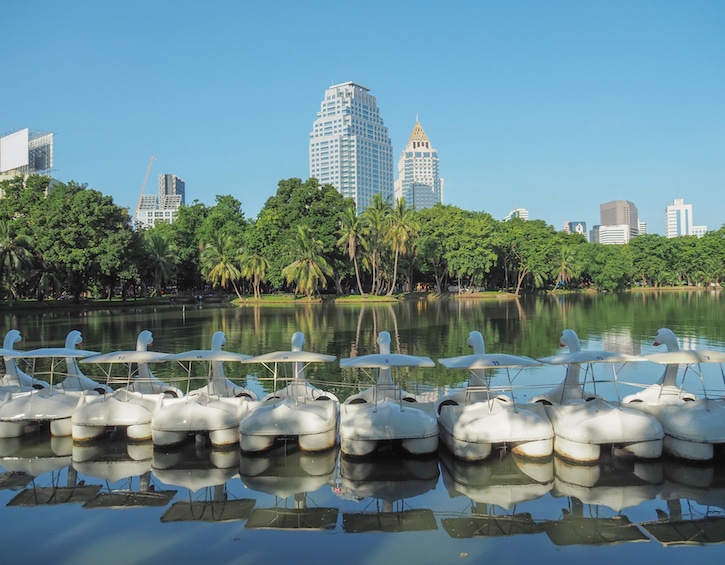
34 465
547 508
613 501
291 477
383 487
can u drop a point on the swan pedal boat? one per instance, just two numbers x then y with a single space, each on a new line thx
584 423
693 426
475 421
385 413
26 406
298 410
214 409
131 407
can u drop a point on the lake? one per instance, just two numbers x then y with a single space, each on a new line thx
116 502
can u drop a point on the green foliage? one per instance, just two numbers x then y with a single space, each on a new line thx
309 266
64 238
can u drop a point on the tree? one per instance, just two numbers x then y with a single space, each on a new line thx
608 266
254 266
437 230
401 234
295 203
471 252
161 258
351 239
220 260
375 226
185 235
650 263
309 267
15 258
567 266
75 230
528 250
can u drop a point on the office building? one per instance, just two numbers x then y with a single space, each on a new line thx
614 235
576 227
522 213
25 152
419 180
618 213
678 220
164 207
350 147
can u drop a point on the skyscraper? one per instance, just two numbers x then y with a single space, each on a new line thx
172 189
26 152
418 180
153 209
350 147
618 213
679 220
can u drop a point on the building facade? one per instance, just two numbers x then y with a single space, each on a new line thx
419 179
25 152
350 147
618 213
678 220
521 213
153 209
614 234
576 227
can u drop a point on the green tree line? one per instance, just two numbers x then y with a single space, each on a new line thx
65 240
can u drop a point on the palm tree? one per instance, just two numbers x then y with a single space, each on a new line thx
220 260
375 222
351 238
254 266
309 267
400 235
162 255
15 257
567 267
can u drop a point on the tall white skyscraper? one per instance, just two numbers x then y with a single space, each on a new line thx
419 180
350 147
679 220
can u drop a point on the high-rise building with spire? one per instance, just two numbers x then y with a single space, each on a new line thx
419 181
350 147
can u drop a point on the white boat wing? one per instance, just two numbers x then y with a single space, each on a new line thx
384 360
291 357
488 361
592 356
47 352
132 356
207 355
687 356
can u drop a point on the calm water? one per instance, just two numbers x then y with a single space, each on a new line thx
129 503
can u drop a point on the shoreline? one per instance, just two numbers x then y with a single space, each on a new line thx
289 299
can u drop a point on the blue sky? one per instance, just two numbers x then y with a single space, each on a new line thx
554 106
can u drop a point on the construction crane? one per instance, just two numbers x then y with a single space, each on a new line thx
143 188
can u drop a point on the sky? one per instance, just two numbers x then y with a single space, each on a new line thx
555 106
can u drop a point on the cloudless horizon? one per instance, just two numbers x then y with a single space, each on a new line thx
553 106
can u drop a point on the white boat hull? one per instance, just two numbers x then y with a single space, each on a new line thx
312 422
472 430
22 412
582 428
364 426
123 409
692 429
177 419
